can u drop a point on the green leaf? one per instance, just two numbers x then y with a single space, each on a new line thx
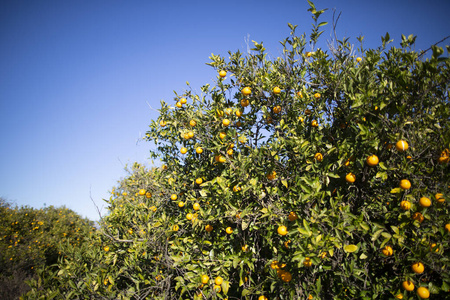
350 248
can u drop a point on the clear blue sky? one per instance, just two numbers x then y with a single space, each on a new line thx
76 77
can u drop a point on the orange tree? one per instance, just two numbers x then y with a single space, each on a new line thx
30 239
307 159
316 175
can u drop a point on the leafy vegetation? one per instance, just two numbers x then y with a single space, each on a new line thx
315 175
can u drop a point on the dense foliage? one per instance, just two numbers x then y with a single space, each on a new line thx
30 240
315 175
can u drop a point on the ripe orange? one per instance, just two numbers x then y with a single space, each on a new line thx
274 265
179 105
190 134
307 262
238 113
230 152
262 297
317 95
218 280
205 279
142 192
282 230
292 216
199 150
425 202
148 195
217 288
277 109
276 90
405 184
372 160
192 123
418 267
408 285
175 227
222 159
163 123
286 244
106 248
236 188
350 177
223 73
183 150
418 216
180 204
405 205
423 292
388 251
439 198
189 216
286 276
318 156
198 181
245 248
314 123
434 246
358 59
208 228
272 175
226 122
401 145
196 206
447 227
174 197
445 156
229 230
245 102
246 91
301 119
300 94
183 100
399 296
222 135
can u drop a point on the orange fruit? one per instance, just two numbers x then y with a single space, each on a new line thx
447 227
217 288
388 251
229 230
199 150
286 244
372 160
405 205
218 280
205 279
226 122
174 197
318 156
262 297
317 95
408 285
358 59
405 184
423 292
350 177
308 112
301 119
190 134
183 100
192 123
175 227
300 94
163 123
399 296
439 198
276 90
228 111
292 216
222 159
189 216
142 192
434 246
222 73
418 267
148 195
183 150
230 152
238 113
277 109
106 248
246 91
245 248
198 181
418 216
274 265
222 135
208 228
196 206
282 230
307 262
425 202
314 123
236 189
180 204
272 175
286 276
401 145
245 102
